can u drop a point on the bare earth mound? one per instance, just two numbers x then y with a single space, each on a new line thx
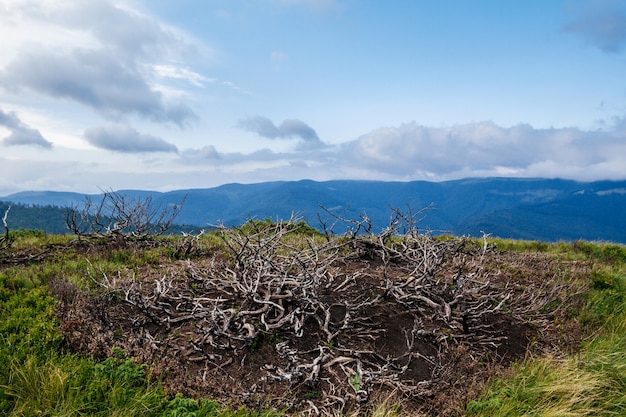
319 325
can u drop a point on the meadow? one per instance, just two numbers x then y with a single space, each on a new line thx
278 319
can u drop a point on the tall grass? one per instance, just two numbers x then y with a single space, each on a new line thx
73 386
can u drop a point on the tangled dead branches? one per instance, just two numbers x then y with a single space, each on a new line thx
334 320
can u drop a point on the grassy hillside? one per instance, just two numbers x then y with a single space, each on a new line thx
90 326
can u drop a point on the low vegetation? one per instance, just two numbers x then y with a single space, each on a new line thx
277 318
588 382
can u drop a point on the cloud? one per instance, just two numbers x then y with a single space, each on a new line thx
289 128
108 63
399 153
603 22
413 151
20 133
125 139
416 152
93 78
113 24
295 127
209 152
203 154
182 73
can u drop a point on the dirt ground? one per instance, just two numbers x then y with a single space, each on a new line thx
333 336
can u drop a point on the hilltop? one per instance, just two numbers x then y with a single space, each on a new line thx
276 316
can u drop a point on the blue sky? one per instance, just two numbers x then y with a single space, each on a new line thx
167 95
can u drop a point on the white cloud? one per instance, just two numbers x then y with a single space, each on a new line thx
95 54
484 149
403 153
182 73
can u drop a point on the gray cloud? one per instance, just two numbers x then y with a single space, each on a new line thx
203 154
113 75
209 152
295 127
603 22
289 128
126 140
260 125
94 78
20 133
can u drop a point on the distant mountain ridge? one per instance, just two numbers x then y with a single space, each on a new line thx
535 209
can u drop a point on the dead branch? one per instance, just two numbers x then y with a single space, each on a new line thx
7 240
114 214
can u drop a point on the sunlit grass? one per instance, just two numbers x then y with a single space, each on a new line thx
603 252
544 387
24 239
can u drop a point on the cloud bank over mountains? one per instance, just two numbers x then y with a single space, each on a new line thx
412 151
485 149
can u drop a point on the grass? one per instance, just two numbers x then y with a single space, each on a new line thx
73 386
543 387
38 376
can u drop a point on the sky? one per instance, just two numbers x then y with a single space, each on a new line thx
163 95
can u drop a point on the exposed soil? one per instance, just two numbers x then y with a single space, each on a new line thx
359 327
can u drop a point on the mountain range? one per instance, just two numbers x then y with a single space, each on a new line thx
531 209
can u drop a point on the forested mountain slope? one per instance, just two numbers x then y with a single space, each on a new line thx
541 209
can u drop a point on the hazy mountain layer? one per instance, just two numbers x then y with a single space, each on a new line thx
537 209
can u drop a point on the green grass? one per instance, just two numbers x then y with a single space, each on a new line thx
74 386
544 387
599 252
29 238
